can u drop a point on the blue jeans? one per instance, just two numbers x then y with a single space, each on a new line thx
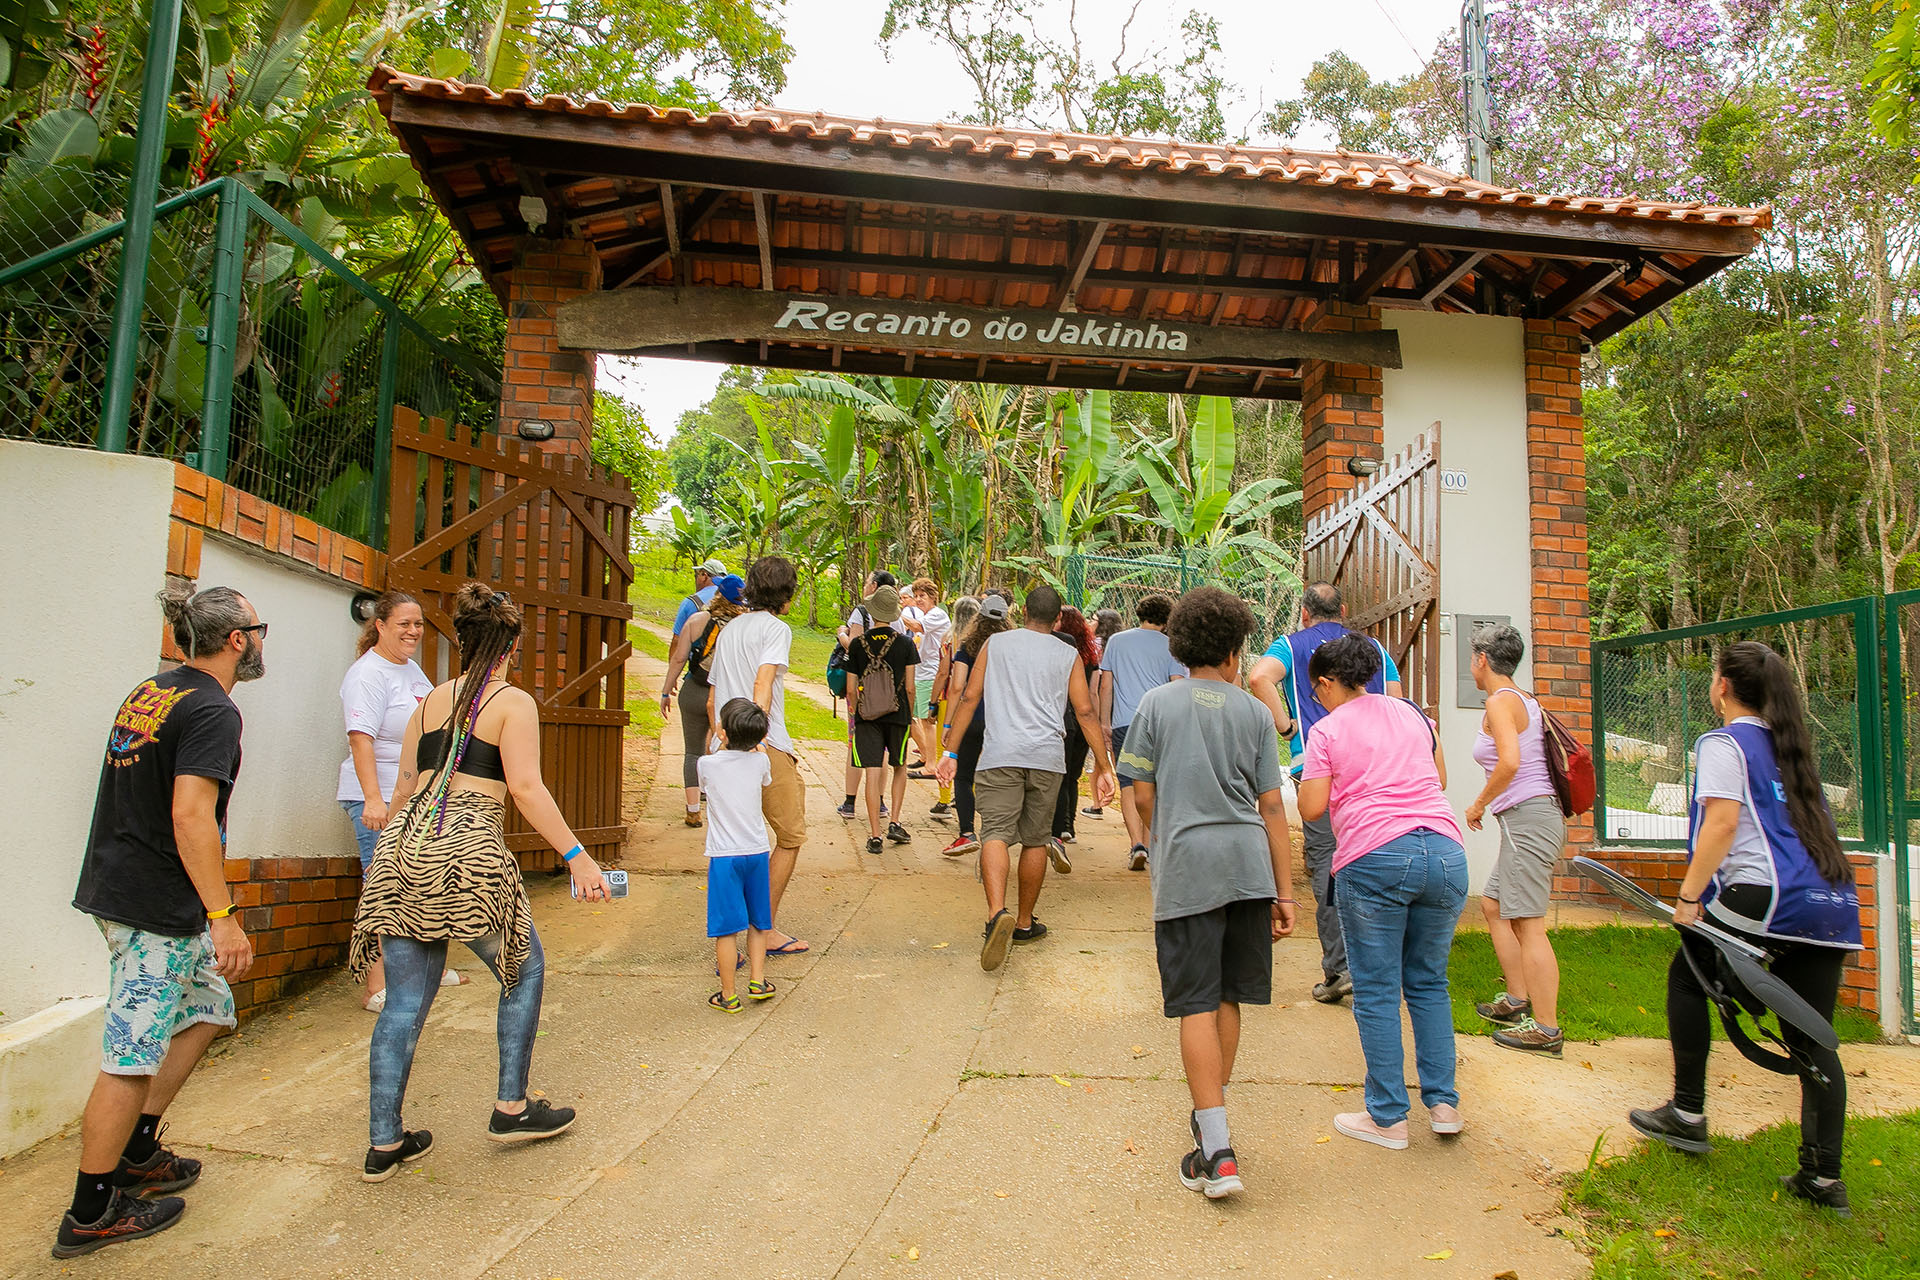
363 836
413 979
1398 907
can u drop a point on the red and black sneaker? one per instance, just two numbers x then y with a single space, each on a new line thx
159 1173
127 1218
1217 1177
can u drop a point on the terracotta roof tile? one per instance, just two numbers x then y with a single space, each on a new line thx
1337 168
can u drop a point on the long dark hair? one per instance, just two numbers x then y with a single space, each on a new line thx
1759 678
382 612
1073 625
487 625
984 628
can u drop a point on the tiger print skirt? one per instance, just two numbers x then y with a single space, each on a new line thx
456 885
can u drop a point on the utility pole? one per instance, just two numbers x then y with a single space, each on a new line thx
1473 62
136 242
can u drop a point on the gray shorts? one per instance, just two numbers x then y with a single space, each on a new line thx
1532 835
1015 806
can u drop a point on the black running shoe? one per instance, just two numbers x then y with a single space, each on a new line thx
127 1218
873 844
899 834
994 940
942 810
538 1121
1031 933
381 1165
159 1173
1832 1196
1215 1178
1334 989
1663 1124
1094 811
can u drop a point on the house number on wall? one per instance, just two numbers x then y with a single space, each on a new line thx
1453 481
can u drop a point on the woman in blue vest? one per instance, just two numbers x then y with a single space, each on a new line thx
1764 863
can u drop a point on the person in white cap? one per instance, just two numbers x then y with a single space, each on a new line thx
704 576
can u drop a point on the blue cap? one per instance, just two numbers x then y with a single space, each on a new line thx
730 586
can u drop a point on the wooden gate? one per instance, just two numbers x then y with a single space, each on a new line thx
1381 546
551 532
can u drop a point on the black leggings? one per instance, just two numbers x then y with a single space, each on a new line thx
1068 801
693 727
967 759
1814 974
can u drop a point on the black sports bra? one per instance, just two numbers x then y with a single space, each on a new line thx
482 759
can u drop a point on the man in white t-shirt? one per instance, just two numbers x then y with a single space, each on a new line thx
934 626
750 661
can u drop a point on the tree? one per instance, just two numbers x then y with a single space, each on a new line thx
1412 116
622 442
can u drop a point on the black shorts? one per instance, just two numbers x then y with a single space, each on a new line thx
875 742
1222 956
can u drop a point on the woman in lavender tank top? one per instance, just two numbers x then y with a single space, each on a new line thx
1512 749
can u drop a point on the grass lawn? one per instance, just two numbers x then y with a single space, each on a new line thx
1659 1214
1613 982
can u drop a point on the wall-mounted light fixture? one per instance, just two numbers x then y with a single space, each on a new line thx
534 429
1362 467
361 607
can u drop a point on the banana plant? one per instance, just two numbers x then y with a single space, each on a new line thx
696 535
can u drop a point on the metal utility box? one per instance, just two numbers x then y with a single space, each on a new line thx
1464 625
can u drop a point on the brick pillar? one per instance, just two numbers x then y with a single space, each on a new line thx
1557 484
1340 408
543 381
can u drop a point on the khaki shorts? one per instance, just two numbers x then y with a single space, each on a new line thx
1015 806
1532 834
784 801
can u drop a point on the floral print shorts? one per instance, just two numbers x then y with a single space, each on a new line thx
158 986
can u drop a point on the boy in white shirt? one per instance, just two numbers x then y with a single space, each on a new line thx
737 849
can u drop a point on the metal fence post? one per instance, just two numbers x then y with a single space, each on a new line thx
1595 664
223 328
1867 682
383 429
116 404
1893 672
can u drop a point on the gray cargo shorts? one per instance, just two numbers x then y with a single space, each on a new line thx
1532 835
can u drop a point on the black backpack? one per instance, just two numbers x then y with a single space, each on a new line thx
837 660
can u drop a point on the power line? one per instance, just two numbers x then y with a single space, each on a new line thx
1395 24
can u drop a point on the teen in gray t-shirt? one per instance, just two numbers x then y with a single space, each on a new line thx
1210 751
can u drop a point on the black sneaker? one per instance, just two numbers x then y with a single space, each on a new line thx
382 1165
1832 1196
994 940
1137 860
159 1173
538 1121
845 810
1031 933
1663 1124
127 1218
1217 1177
873 844
1094 811
942 810
899 834
1334 989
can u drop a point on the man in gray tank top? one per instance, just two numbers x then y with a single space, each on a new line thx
1026 679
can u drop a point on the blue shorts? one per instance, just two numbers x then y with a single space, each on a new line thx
737 894
1119 745
363 836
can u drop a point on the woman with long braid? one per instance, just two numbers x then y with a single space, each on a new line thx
442 873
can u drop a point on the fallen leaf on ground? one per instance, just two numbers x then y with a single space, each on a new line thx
1325 1137
1131 1149
1441 1256
1002 1195
1665 1233
1492 1208
1587 1065
1875 1161
938 945
646 1066
1642 1008
913 1254
1339 1088
1137 1051
1508 1275
1063 1082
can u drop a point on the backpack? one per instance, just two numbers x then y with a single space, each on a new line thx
700 657
878 697
837 660
1569 764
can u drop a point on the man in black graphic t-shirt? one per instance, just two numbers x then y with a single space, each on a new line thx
153 879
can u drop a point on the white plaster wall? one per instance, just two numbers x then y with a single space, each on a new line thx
294 740
1469 374
85 535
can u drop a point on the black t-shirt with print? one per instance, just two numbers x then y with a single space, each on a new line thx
900 654
179 722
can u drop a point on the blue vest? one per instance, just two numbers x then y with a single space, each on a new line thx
1307 710
1806 907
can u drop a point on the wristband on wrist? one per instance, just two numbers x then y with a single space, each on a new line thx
571 854
1692 902
1289 901
222 913
953 755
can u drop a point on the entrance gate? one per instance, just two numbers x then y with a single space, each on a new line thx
1380 545
550 531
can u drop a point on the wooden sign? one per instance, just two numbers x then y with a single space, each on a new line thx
637 319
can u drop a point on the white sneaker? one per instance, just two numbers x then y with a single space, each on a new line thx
376 1002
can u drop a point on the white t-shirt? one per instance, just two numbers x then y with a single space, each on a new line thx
936 624
749 642
1720 773
378 698
735 824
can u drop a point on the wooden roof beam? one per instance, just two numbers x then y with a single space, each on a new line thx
1453 275
1382 264
1080 263
763 232
1578 291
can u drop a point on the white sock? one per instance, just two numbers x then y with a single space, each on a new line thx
1213 1130
1691 1117
693 808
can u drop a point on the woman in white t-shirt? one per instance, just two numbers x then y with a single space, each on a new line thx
378 696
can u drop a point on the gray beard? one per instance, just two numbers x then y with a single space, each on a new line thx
252 664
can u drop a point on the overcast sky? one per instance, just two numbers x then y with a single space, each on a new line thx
838 67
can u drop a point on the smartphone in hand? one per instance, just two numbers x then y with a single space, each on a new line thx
616 884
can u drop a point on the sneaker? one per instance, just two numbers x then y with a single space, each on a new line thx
538 1121
1064 837
127 1218
1094 811
1334 989
1832 1196
1504 1011
159 1173
1058 853
1214 1178
1032 933
846 810
873 844
1137 860
961 845
1530 1037
382 1165
1445 1119
942 810
375 1002
883 809
1663 1124
995 937
899 834
693 818
1358 1124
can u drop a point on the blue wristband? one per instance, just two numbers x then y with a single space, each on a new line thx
571 854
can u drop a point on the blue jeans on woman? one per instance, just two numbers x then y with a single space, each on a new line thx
1398 907
413 979
364 836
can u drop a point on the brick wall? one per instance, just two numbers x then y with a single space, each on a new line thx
544 381
299 914
1341 413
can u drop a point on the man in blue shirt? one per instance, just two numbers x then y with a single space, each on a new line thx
1139 661
1279 679
703 579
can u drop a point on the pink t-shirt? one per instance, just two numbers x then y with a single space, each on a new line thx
1379 753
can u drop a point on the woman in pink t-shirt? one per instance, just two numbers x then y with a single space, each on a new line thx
1400 881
